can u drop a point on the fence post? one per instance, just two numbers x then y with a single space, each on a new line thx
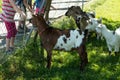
82 4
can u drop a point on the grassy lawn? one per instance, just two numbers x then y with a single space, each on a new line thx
29 63
109 10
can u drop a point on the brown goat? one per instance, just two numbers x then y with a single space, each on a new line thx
76 12
68 40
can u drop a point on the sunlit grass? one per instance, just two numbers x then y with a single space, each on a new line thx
109 10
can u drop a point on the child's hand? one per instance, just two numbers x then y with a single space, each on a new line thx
23 15
32 11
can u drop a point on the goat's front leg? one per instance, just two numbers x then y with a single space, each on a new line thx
83 56
116 50
109 48
99 36
49 58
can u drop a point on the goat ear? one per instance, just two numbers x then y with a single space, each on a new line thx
99 20
34 15
37 15
66 13
100 26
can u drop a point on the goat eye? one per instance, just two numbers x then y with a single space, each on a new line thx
91 23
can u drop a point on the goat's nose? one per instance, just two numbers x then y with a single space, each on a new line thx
96 30
30 20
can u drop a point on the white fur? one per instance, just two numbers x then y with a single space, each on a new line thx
112 40
72 41
92 24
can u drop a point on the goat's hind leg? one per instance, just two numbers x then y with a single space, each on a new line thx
116 50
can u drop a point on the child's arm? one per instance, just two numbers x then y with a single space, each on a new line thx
17 9
27 6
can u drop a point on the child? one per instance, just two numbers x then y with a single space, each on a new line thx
28 5
9 8
23 4
39 5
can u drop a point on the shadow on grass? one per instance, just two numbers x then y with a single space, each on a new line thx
28 67
67 72
112 25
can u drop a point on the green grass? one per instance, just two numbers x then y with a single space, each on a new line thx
29 63
110 10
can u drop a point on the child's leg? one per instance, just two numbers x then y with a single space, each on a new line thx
11 32
8 35
14 32
7 44
12 42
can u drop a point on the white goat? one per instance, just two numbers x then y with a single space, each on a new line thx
112 37
93 23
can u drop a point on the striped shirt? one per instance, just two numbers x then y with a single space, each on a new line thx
8 12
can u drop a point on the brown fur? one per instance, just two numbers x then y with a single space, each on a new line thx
76 11
49 36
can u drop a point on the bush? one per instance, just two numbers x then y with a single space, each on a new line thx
64 23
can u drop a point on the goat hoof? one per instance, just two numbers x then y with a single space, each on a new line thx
81 69
109 53
116 53
48 67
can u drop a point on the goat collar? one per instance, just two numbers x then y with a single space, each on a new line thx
42 31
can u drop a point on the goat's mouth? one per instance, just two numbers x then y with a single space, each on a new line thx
34 25
32 22
99 33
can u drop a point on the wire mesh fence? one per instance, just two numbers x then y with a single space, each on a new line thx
61 7
20 37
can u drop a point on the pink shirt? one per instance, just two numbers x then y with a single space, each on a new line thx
8 12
